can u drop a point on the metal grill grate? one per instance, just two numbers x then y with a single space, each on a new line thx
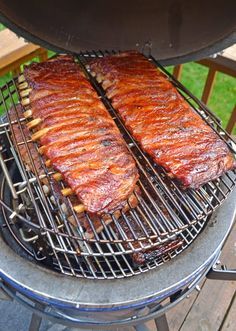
47 227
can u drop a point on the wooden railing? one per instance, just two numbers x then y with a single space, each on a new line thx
225 63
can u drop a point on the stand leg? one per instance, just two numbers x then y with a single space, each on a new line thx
35 320
142 327
161 323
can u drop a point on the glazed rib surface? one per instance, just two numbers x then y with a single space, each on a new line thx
24 152
82 141
158 117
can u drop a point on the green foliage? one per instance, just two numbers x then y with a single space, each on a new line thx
2 27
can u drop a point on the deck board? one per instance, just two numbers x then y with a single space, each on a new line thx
177 315
211 305
229 323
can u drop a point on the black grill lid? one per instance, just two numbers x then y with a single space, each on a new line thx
178 30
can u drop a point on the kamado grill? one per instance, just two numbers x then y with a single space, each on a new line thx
127 267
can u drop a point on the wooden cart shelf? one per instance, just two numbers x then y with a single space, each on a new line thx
15 51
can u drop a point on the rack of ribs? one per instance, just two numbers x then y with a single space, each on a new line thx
77 135
19 130
161 121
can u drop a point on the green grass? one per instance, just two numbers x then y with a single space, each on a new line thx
193 77
2 27
223 97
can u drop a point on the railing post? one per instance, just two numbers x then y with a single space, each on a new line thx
208 85
232 121
178 71
43 56
16 71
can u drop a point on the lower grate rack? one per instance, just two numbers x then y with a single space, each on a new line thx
165 221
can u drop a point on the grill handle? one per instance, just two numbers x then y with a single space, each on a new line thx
222 274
